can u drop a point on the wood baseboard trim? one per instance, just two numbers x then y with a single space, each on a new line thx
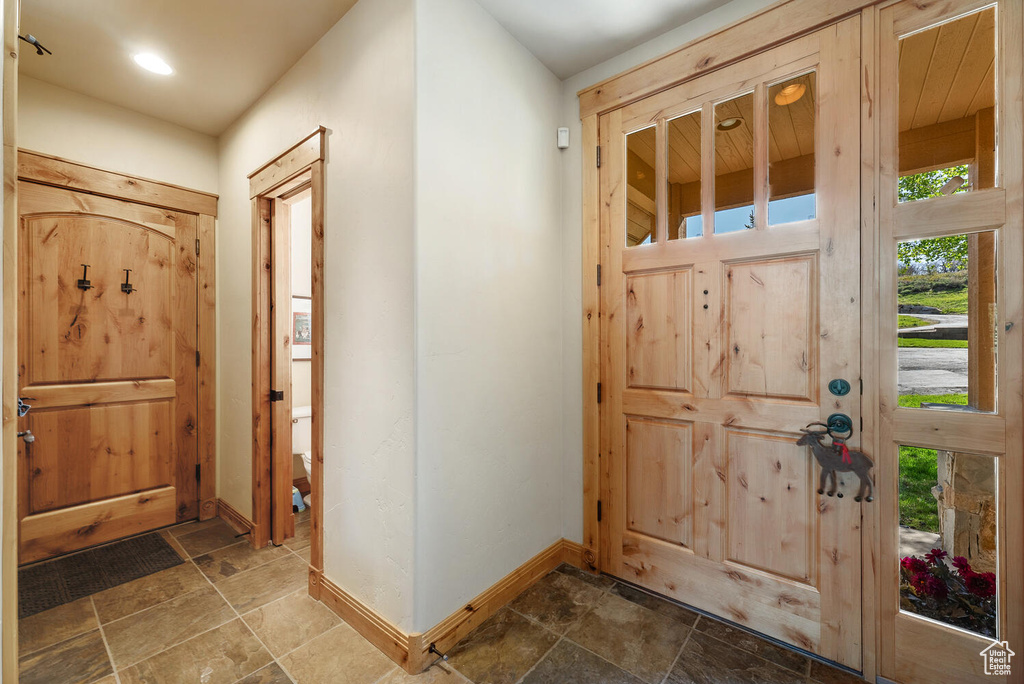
452 629
232 517
390 640
574 554
411 651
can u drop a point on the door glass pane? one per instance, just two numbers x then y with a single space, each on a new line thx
641 194
684 168
791 117
947 323
948 537
947 108
734 164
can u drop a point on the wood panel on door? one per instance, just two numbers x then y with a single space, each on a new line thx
717 348
111 375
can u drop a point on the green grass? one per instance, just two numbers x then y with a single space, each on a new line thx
912 322
919 471
950 344
918 474
915 400
948 302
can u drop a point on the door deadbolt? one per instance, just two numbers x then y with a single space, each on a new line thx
839 387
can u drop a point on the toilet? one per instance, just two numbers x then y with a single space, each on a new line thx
302 439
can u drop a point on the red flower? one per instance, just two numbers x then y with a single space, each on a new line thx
914 565
981 584
935 555
962 566
920 582
937 588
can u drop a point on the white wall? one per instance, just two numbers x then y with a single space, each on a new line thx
489 423
302 275
66 124
357 81
301 225
572 219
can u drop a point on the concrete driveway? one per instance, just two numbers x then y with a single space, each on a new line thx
932 371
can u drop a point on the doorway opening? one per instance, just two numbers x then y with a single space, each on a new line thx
287 354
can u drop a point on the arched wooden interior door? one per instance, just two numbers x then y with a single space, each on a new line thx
108 363
730 304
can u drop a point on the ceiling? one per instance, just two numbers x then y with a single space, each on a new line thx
790 134
947 72
225 53
568 36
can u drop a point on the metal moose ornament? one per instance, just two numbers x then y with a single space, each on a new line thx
838 458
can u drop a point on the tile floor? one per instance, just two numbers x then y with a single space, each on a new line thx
232 614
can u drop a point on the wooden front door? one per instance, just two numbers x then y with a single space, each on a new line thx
111 375
722 329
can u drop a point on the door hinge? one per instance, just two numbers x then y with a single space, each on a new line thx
598 393
197 246
599 275
197 472
598 156
197 358
862 423
276 395
598 510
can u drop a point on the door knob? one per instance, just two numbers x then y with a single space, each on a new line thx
841 423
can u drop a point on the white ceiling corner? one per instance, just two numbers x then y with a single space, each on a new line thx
225 53
569 36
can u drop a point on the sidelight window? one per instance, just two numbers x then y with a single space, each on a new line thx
946 119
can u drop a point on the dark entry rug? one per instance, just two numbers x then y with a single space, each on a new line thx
63 580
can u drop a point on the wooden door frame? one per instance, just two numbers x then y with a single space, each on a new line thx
53 171
299 165
9 493
779 23
1004 430
774 25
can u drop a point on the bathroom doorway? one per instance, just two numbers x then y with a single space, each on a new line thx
287 197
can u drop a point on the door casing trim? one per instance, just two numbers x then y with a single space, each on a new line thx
301 164
790 19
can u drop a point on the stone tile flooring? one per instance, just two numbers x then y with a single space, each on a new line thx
232 614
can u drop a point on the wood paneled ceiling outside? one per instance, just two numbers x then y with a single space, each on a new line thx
947 72
790 134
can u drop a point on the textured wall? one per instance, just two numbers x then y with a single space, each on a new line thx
66 124
489 424
358 82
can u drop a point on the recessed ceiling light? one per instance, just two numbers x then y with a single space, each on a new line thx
729 124
790 94
150 62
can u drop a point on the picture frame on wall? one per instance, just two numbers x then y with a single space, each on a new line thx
302 328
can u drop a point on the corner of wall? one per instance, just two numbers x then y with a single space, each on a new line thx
488 283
